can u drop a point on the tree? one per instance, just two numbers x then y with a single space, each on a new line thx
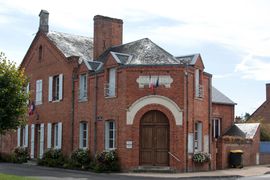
13 98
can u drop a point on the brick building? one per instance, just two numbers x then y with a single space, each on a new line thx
156 109
263 111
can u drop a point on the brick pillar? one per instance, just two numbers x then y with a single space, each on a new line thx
107 32
268 91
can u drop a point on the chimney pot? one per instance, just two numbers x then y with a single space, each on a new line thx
44 21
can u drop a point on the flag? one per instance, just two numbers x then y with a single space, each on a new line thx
157 82
31 109
151 84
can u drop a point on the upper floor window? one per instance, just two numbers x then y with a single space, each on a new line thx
38 92
55 87
216 127
198 83
83 87
198 136
111 85
83 135
110 135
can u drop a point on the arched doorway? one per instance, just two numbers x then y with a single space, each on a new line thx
154 139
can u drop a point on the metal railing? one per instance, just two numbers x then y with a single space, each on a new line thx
176 158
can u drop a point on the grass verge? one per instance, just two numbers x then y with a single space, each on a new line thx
12 177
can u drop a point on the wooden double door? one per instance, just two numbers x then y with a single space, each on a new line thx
154 139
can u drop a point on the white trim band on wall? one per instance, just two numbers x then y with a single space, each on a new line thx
155 99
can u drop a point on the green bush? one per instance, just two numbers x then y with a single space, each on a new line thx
52 158
79 159
20 155
201 157
5 157
106 161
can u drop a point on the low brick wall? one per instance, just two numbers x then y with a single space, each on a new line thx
264 158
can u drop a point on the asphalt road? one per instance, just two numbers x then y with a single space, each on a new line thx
46 173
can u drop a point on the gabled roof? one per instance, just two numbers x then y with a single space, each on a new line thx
245 130
140 52
73 45
219 98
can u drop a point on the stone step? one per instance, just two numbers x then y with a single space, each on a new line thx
155 169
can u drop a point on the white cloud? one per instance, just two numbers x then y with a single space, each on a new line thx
253 67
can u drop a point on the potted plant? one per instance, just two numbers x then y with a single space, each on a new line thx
201 157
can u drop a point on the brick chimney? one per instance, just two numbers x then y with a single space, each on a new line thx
268 91
107 32
44 21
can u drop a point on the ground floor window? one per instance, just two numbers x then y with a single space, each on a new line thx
110 135
83 135
22 136
198 136
57 135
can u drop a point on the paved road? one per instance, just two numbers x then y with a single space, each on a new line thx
45 173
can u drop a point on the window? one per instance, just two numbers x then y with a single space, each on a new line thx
83 135
198 136
55 136
83 87
55 87
216 127
110 135
22 136
38 92
198 84
27 90
110 89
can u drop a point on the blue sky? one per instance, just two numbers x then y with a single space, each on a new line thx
232 36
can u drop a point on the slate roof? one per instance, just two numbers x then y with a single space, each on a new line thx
245 130
141 52
73 45
219 98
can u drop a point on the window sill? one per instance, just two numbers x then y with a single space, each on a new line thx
55 101
38 103
110 149
83 100
110 97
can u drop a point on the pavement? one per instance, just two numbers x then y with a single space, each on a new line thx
248 171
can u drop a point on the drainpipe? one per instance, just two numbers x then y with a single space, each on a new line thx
210 116
95 114
72 111
187 103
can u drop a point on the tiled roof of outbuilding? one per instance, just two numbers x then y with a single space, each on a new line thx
73 45
189 59
245 130
219 98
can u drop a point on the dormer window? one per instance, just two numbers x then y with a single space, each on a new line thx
40 51
198 83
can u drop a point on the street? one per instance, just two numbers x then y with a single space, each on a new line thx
46 173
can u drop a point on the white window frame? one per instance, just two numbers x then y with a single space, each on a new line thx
55 92
111 86
38 92
216 123
55 136
83 135
25 136
198 136
83 87
110 135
